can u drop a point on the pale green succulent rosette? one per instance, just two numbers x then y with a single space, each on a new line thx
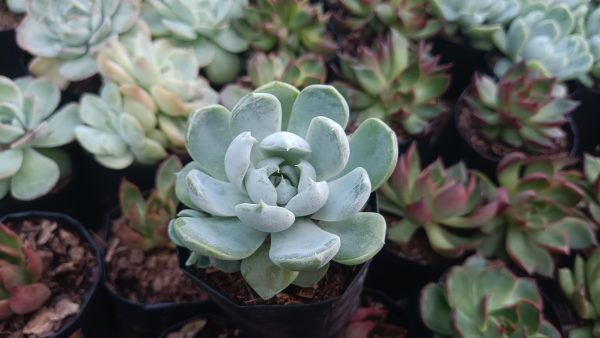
277 187
30 131
65 35
204 26
592 32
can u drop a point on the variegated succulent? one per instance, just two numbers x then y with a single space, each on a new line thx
65 35
394 82
451 205
204 26
276 187
31 130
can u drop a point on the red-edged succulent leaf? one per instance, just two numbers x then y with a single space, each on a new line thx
35 265
28 298
450 200
5 310
128 236
13 275
418 212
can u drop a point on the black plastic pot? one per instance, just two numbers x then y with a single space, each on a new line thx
587 119
90 309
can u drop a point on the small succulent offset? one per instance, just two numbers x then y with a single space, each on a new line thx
591 185
294 26
204 26
21 269
580 286
144 222
394 82
65 35
167 74
478 20
277 187
484 299
542 218
592 32
31 129
451 205
522 110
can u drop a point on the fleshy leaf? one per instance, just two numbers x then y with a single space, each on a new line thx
266 278
347 196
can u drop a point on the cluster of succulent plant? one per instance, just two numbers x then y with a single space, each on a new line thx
31 130
591 185
592 31
65 36
394 81
542 217
144 222
21 268
371 321
452 205
522 110
163 75
484 299
276 187
203 26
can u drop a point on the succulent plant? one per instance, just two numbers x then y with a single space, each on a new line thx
167 74
16 6
451 205
31 129
280 167
65 35
203 26
294 26
20 270
371 321
592 31
580 287
521 110
544 35
484 299
542 218
144 222
477 20
591 185
394 82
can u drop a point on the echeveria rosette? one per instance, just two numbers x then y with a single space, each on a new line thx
65 35
451 205
31 130
592 33
204 26
278 187
484 299
120 127
542 218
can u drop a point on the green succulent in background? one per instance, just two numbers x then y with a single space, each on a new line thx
592 33
581 288
542 218
277 187
543 35
477 20
204 26
31 130
294 26
451 205
16 6
484 299
65 35
591 185
167 74
120 127
522 110
394 82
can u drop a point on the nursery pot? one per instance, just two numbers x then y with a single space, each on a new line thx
90 310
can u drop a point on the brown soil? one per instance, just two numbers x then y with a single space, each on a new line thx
233 285
70 270
8 19
205 328
149 277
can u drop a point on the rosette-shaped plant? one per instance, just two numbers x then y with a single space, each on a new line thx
543 35
204 26
542 217
395 83
521 110
20 270
592 32
120 127
295 26
591 185
478 20
31 129
278 187
65 35
484 299
451 205
168 74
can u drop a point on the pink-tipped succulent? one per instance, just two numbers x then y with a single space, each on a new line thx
144 222
21 269
543 217
371 321
452 205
